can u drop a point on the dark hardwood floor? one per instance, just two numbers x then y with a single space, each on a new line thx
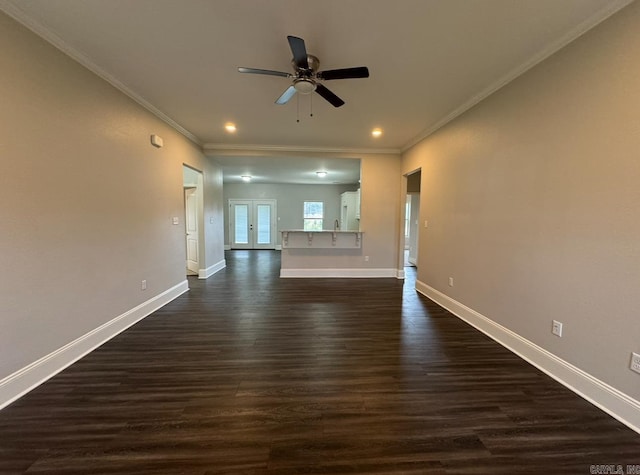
249 373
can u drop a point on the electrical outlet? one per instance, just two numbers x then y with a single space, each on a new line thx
635 362
556 328
426 223
450 281
143 285
366 258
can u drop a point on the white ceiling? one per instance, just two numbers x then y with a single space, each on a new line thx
429 60
291 170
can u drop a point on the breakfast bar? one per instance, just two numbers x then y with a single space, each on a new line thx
301 239
321 253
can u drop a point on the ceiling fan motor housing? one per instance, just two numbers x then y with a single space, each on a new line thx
314 65
305 82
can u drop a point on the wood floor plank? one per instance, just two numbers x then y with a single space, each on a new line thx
249 373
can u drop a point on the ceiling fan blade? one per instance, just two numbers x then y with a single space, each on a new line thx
268 72
334 100
346 73
286 95
299 52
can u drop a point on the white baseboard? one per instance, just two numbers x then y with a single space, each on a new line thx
400 274
341 273
227 247
278 247
24 380
209 271
612 401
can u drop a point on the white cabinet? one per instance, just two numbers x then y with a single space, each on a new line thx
350 211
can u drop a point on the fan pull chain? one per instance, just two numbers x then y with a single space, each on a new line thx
311 107
298 108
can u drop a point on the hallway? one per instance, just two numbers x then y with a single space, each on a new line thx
250 373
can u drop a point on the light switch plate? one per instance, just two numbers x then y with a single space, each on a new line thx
635 362
556 328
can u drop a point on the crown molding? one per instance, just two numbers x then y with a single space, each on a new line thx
610 8
42 31
220 147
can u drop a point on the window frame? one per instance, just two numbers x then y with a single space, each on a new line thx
312 219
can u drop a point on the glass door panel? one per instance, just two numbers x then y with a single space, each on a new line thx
263 221
252 224
241 228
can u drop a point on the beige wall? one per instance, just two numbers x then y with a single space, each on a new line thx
533 202
86 202
381 204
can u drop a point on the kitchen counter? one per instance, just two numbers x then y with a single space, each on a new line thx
325 239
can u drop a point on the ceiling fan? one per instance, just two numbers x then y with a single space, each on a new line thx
306 77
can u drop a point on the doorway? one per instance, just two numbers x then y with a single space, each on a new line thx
252 224
192 184
412 216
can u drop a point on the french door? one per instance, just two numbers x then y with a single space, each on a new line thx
252 224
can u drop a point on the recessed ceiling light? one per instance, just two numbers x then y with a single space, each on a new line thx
229 127
321 174
376 132
246 178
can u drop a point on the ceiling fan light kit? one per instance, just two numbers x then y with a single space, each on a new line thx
304 85
306 77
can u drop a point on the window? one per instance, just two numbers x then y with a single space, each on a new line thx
313 215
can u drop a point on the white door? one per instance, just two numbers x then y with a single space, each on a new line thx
414 229
191 228
252 224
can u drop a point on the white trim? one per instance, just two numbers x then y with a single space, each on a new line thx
209 271
612 401
611 7
339 273
227 247
41 30
223 147
400 274
278 247
24 380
